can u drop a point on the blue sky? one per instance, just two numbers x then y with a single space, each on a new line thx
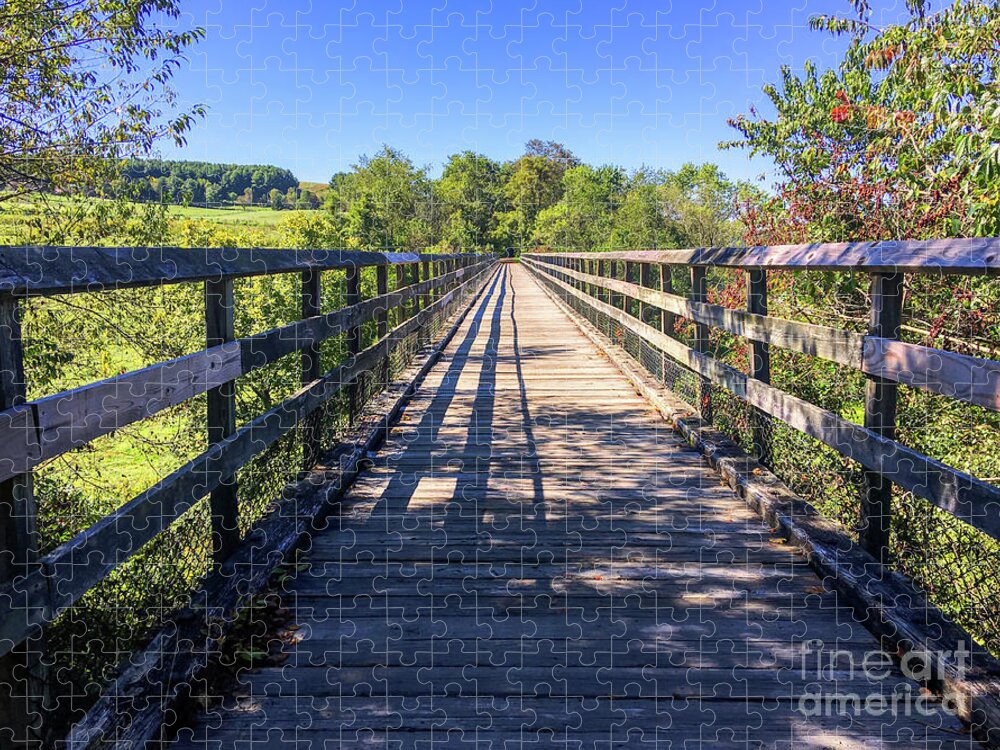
311 85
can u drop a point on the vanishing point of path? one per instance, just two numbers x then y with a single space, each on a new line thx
536 560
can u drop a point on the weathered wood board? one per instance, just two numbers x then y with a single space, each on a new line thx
534 558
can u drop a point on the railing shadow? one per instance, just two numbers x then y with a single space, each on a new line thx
626 560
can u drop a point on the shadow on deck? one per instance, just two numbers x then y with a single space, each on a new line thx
535 558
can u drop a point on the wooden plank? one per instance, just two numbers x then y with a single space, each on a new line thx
833 344
312 367
133 709
760 365
972 379
573 682
680 723
73 568
220 326
880 417
975 256
30 270
45 428
960 494
26 676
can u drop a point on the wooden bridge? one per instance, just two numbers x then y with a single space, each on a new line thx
525 539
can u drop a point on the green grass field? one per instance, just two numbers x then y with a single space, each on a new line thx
255 215
264 222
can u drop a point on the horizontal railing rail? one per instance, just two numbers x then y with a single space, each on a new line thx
611 283
975 256
34 432
31 270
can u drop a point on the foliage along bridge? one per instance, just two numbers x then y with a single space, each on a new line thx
519 535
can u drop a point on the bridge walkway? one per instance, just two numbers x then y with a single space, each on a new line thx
535 559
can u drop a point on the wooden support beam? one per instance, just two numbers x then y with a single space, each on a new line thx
954 491
630 274
220 328
65 574
648 314
666 320
667 286
620 271
311 368
26 696
880 415
382 318
425 275
760 366
352 280
699 293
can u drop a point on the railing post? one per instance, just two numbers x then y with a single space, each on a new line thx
435 293
220 327
621 301
880 415
760 364
414 280
603 295
646 281
666 318
311 368
423 274
352 279
607 272
666 286
399 283
25 699
699 293
627 301
382 317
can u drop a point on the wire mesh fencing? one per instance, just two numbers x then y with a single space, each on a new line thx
957 565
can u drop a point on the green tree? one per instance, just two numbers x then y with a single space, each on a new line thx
310 231
901 141
83 86
582 220
639 222
307 200
213 194
699 202
534 185
530 185
385 203
468 194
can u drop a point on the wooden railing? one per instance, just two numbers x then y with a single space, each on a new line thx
607 282
624 301
35 588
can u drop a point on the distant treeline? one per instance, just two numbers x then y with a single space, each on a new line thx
208 183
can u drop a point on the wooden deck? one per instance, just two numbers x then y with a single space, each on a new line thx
537 560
